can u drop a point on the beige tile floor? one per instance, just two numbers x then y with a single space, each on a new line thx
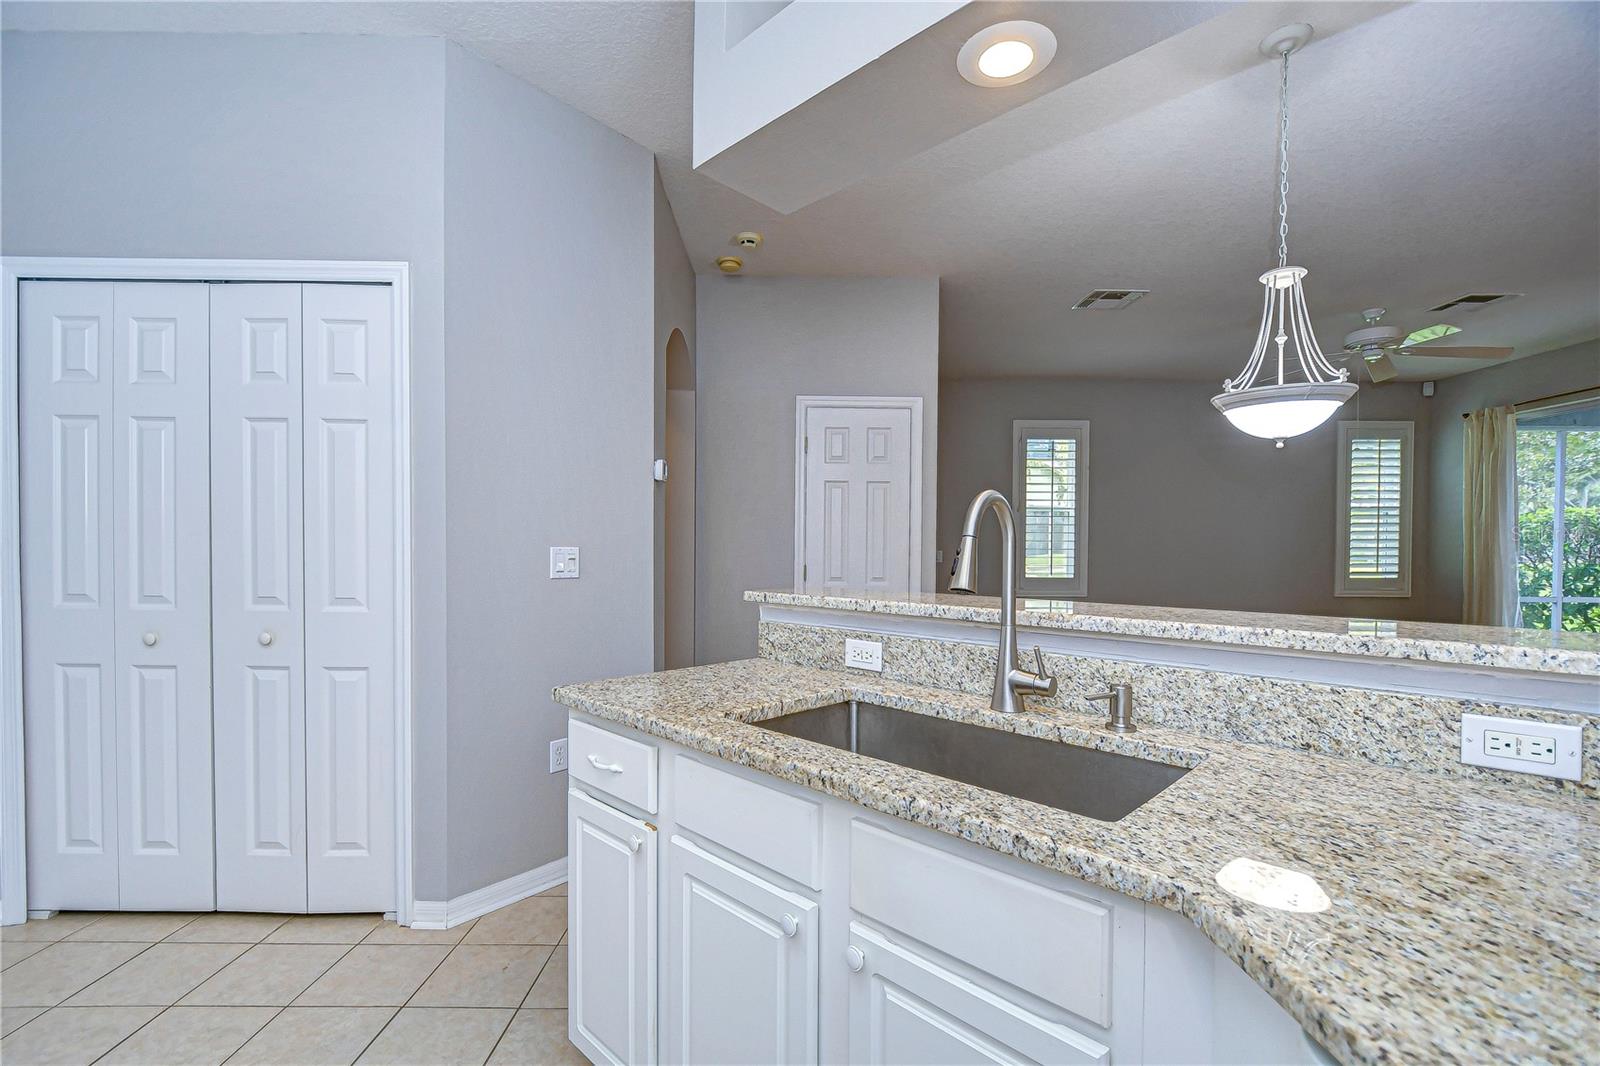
179 989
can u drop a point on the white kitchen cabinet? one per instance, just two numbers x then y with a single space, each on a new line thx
741 980
611 912
906 1008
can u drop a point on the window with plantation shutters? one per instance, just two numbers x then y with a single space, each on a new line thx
1374 534
1049 465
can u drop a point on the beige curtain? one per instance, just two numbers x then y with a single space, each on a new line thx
1489 581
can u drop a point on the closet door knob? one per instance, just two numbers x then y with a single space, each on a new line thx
855 958
150 639
791 925
265 638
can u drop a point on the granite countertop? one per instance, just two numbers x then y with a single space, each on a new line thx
1465 917
1540 650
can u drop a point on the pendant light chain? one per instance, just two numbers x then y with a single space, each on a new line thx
1283 165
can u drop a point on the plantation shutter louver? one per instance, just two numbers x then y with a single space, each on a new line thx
1049 476
1374 509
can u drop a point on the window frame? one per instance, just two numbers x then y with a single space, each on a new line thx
1344 584
1557 600
1077 430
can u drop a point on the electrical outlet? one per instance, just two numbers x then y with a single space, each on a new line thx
558 756
563 562
863 654
1522 745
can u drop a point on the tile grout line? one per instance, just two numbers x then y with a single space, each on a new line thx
367 1046
297 995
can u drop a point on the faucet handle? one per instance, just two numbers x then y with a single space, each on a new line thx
1038 661
1047 683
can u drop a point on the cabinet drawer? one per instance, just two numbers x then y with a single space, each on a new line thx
613 764
779 831
1054 944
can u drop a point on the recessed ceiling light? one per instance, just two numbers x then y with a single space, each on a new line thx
1006 53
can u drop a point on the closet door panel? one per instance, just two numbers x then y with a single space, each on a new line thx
350 596
258 603
162 520
68 602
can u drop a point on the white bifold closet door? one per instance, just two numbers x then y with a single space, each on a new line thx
116 545
303 491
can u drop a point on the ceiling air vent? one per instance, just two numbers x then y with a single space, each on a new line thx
1474 300
1109 299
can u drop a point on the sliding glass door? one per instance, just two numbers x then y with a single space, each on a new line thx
1558 518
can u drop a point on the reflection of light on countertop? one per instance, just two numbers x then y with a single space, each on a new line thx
1373 627
1273 886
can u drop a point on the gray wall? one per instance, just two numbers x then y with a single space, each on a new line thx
762 342
1576 367
1184 510
310 147
674 310
549 441
257 147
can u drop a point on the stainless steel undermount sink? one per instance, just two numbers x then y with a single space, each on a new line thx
1097 784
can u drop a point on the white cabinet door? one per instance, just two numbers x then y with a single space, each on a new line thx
741 978
258 603
161 515
350 612
857 522
611 915
907 1009
68 600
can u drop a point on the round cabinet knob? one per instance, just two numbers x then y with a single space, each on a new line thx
855 958
635 843
791 925
265 638
150 640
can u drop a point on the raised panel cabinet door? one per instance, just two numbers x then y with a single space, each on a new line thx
741 978
66 435
611 917
858 499
908 1009
161 514
350 596
258 604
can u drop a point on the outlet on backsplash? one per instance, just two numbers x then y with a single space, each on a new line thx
863 654
1522 745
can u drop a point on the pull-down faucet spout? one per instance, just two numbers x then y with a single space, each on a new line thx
1010 680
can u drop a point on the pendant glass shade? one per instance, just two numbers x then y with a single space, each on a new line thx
1280 408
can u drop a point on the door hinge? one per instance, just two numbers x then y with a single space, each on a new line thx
807 449
803 569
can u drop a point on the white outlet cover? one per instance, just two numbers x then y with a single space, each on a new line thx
563 563
863 654
558 755
1568 741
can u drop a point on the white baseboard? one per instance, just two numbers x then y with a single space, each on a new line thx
443 914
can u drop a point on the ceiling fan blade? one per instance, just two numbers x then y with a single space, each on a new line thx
1429 333
1381 369
1445 351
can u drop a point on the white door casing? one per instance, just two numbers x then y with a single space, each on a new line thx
258 602
611 912
742 965
858 495
350 597
66 437
161 526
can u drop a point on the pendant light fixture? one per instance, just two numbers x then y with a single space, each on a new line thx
1292 401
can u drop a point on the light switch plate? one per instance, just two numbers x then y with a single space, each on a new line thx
563 562
1523 746
863 654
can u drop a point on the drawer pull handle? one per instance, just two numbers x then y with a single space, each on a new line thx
608 767
150 640
791 925
855 958
635 842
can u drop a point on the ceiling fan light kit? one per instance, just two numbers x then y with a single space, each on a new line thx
1283 408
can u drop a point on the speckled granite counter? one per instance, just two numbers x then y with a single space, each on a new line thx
1485 646
1465 924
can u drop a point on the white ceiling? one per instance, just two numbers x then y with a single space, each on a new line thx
1439 149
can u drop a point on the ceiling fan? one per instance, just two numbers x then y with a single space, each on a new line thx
1375 343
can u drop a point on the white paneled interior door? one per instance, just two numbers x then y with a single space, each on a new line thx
258 604
350 597
211 609
857 499
68 600
161 528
